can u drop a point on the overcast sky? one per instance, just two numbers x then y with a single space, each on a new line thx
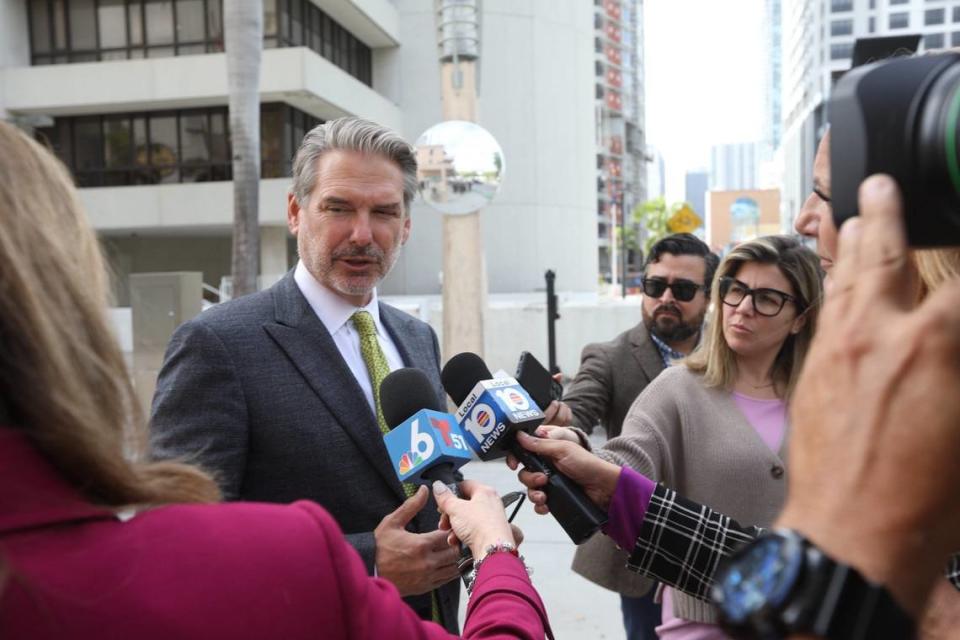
704 64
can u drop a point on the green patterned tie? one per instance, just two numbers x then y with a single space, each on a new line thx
378 369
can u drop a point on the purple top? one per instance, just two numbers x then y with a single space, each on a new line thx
768 417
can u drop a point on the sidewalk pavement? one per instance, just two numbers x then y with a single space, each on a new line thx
577 608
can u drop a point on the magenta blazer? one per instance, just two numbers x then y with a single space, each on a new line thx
238 570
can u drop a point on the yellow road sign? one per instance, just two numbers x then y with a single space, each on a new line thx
685 220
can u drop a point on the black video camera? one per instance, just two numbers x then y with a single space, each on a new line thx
900 117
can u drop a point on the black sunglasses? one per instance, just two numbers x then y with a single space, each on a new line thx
766 302
682 290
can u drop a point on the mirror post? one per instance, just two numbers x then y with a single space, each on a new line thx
464 271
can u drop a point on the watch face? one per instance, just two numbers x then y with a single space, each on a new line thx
758 576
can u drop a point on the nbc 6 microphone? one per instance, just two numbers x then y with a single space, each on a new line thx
424 445
490 412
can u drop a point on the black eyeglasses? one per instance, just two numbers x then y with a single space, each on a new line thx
683 290
766 302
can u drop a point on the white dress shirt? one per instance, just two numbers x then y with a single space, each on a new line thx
335 313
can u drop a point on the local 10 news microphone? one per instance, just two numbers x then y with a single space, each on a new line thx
490 413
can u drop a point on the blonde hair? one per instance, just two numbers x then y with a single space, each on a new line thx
716 360
63 380
935 267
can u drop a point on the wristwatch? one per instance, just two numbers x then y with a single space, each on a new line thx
781 584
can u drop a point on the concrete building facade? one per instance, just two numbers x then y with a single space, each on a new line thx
132 95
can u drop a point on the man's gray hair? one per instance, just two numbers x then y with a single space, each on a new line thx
352 134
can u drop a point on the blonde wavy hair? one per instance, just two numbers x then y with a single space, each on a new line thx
63 380
714 358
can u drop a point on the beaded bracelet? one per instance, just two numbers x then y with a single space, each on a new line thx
500 547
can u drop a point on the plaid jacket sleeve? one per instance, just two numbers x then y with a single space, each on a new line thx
681 543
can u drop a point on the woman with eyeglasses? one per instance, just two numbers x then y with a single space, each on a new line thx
713 427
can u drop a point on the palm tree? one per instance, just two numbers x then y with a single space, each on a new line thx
243 41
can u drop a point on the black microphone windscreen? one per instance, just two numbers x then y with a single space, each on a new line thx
403 393
462 373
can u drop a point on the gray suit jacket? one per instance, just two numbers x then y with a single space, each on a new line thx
611 376
256 392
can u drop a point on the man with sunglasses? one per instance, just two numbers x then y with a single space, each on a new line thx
676 290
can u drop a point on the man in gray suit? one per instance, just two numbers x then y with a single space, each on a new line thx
277 393
676 285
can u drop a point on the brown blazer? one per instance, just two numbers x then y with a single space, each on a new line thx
611 376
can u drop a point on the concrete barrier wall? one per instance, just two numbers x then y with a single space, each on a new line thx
513 325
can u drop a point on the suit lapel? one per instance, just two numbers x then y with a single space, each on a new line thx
302 336
415 347
645 352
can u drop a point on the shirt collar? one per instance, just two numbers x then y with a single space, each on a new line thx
668 353
333 310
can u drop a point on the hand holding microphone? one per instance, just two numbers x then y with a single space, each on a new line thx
491 413
428 447
596 476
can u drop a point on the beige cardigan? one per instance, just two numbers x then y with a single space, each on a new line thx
696 441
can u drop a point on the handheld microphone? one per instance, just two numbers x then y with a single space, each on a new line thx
491 412
424 445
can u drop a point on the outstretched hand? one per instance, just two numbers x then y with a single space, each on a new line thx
597 477
875 443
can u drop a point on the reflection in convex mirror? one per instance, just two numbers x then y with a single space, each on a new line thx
459 167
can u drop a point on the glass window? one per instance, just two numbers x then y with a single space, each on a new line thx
283 15
59 25
190 21
117 142
296 22
956 14
315 29
40 27
112 19
220 146
215 25
872 26
841 27
841 50
117 150
135 23
269 17
88 158
189 145
83 21
327 38
159 21
273 145
899 1
899 20
955 39
841 5
163 148
195 147
933 16
933 41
